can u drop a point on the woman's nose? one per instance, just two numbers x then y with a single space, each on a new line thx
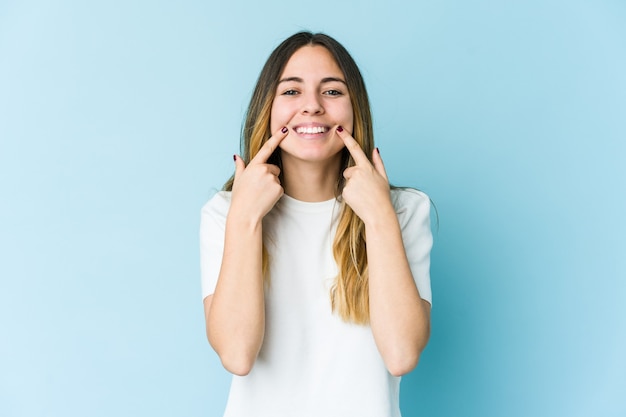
312 104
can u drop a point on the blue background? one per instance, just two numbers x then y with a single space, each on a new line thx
119 119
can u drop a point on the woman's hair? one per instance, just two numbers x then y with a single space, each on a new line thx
350 293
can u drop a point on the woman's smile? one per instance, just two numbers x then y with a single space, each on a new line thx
311 130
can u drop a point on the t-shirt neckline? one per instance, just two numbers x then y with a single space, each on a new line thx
307 206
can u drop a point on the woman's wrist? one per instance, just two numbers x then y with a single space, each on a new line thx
242 220
383 216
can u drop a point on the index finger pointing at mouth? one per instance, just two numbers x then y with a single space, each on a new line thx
353 147
269 147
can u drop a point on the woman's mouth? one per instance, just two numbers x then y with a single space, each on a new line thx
310 130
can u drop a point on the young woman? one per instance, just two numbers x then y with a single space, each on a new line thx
315 273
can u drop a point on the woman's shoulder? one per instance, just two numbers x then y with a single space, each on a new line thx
217 205
413 210
404 199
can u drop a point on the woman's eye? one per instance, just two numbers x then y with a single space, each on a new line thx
290 93
333 93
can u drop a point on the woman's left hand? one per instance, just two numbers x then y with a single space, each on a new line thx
367 188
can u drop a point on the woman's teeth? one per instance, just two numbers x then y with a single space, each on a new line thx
311 130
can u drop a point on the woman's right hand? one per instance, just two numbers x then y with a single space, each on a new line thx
256 187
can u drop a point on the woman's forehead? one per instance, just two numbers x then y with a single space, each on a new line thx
312 61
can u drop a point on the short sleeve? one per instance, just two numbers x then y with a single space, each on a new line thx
413 210
212 232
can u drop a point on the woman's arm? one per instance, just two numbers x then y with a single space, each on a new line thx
235 312
399 318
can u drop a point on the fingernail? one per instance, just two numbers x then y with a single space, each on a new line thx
339 129
377 151
235 158
284 129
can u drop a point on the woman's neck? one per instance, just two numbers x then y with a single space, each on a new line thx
310 181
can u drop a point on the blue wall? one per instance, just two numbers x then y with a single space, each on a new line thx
119 119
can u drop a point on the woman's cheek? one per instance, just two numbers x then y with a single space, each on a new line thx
278 120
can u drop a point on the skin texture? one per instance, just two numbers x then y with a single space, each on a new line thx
311 94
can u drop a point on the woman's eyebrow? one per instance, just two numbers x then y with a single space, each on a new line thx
332 79
288 79
300 80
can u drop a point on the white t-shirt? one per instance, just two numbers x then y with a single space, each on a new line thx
313 364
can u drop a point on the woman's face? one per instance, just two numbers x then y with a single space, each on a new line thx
311 100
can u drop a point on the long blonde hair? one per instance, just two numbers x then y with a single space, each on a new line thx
350 293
